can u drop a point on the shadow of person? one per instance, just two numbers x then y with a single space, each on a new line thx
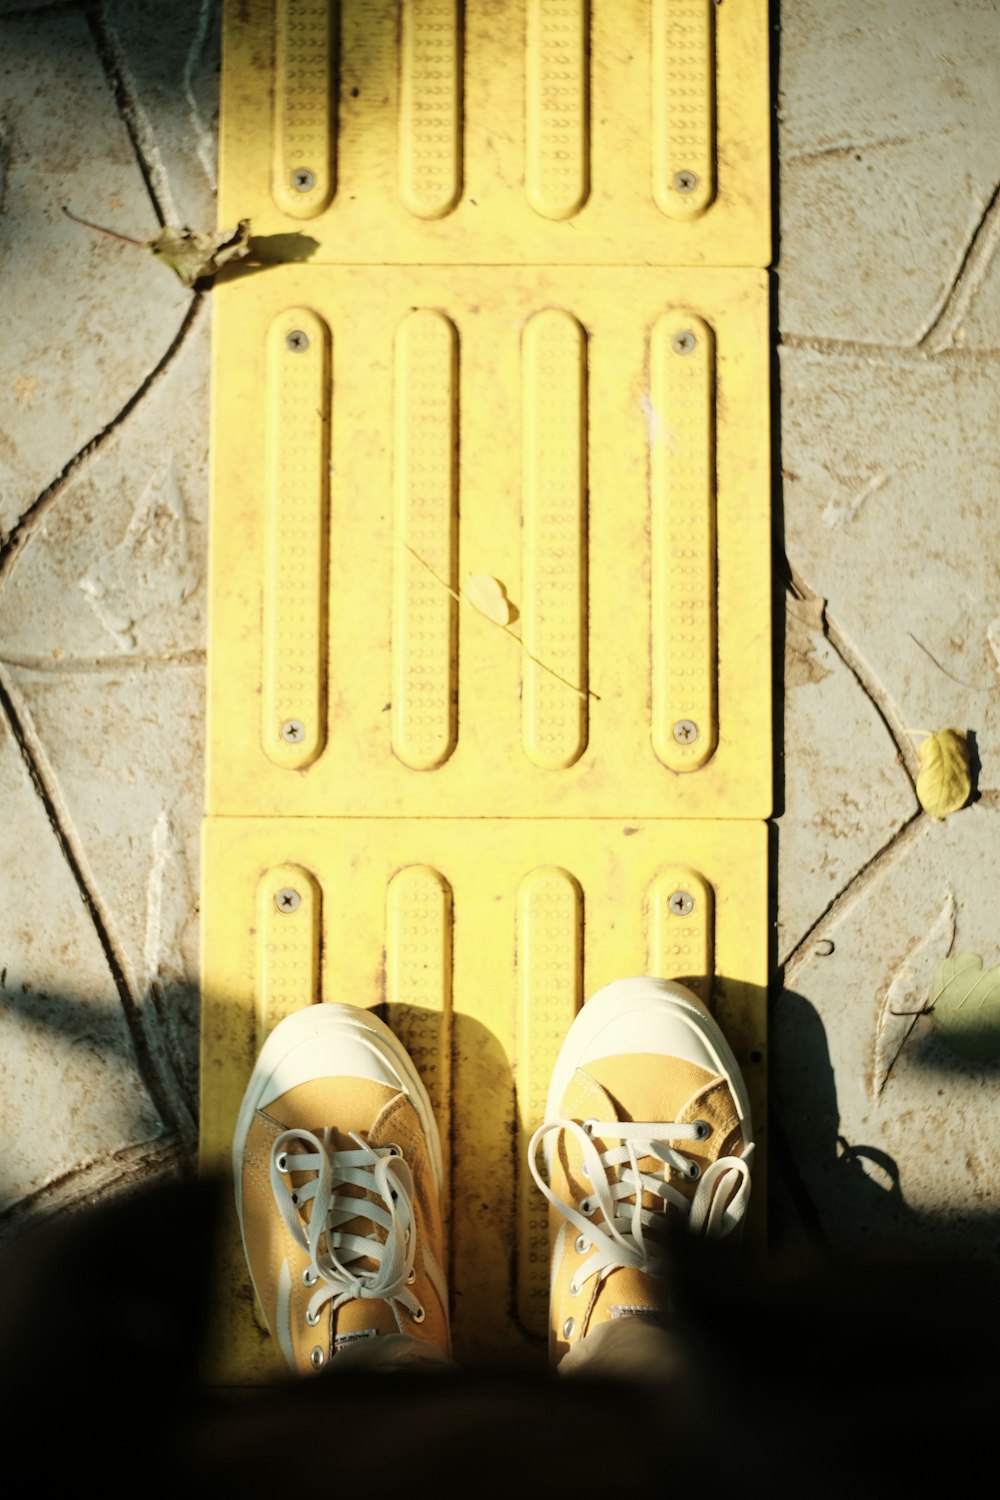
827 1189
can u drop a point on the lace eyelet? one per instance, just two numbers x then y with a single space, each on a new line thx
313 1318
588 1126
317 1358
574 1290
568 1327
411 1278
582 1244
281 1162
395 1150
309 1277
586 1207
419 1315
693 1171
702 1130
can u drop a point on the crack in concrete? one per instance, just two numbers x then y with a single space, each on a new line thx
936 341
894 354
94 1180
858 668
133 116
843 151
858 885
164 1090
973 264
96 666
23 529
204 138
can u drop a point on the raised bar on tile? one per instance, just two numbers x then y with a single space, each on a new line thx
288 946
305 57
680 929
554 716
430 107
683 92
557 129
683 528
293 698
549 960
425 542
418 981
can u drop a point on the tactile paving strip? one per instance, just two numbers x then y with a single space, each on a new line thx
595 440
529 132
481 944
479 380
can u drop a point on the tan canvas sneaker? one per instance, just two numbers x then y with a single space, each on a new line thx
647 1121
337 1166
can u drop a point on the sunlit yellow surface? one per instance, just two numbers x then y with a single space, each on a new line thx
518 353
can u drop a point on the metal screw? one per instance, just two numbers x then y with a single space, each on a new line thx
684 342
686 182
303 179
297 341
287 900
681 903
293 730
685 731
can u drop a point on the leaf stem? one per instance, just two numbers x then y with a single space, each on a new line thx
112 234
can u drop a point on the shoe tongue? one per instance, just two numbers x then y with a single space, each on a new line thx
628 1293
361 1318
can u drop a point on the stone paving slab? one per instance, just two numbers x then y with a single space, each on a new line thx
845 793
889 116
91 317
890 520
895 1134
121 547
125 749
70 1093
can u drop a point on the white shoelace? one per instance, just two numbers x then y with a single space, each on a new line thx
387 1186
627 1234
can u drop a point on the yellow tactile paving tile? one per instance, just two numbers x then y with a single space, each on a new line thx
595 439
524 132
480 941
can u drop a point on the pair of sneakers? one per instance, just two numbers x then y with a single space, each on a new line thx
338 1170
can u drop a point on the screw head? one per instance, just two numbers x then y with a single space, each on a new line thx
684 342
681 903
293 731
685 731
303 179
297 340
686 182
287 899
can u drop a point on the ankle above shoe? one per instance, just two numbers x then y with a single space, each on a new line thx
647 1128
337 1168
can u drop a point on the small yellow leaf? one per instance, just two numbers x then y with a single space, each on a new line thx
489 596
944 781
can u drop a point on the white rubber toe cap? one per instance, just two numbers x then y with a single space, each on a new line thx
644 1015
